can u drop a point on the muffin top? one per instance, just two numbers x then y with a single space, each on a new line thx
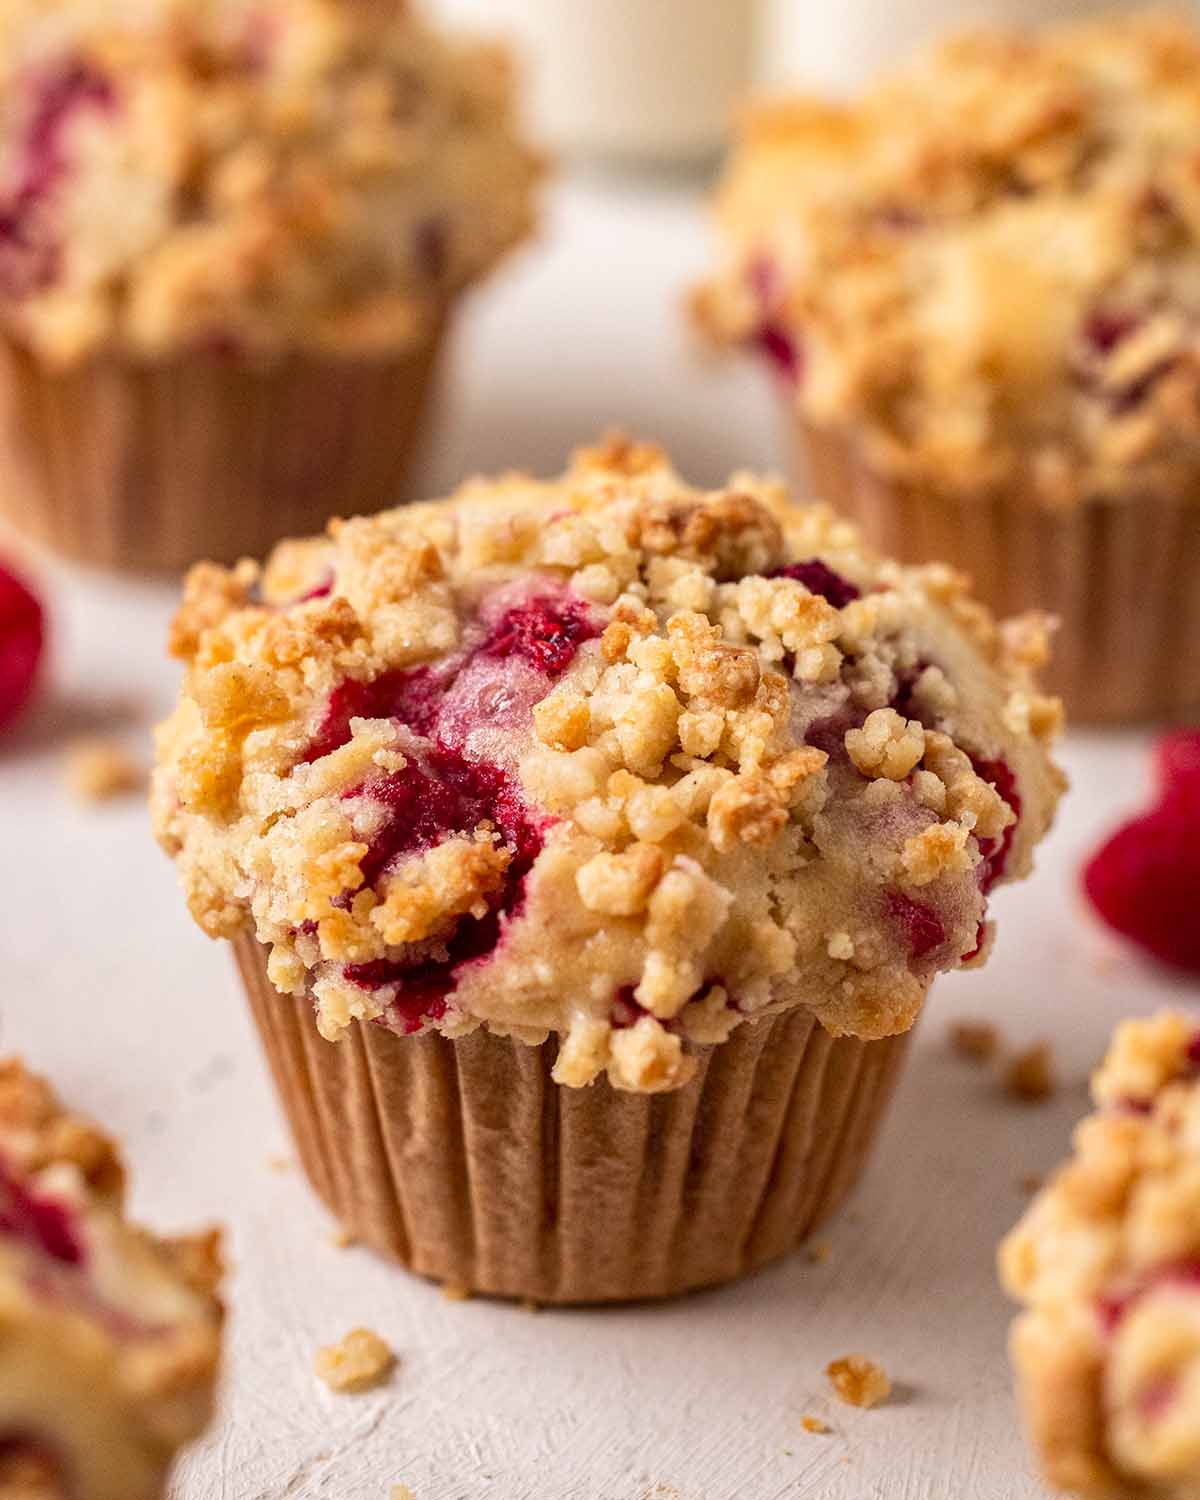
987 268
110 1336
247 175
610 757
1108 1262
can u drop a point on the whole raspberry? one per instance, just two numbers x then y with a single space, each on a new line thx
21 641
1145 881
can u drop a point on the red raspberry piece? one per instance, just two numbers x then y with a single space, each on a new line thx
21 640
1145 881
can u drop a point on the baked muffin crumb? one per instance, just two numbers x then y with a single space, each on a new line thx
1030 1075
356 1362
98 769
859 1381
976 1041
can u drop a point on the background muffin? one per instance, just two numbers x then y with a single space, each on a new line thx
232 233
1107 1263
981 282
605 776
109 1336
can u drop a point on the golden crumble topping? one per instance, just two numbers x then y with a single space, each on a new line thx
987 265
609 757
859 1381
356 1362
248 175
109 1336
1107 1263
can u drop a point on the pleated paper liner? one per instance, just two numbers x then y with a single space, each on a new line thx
1123 576
153 466
464 1161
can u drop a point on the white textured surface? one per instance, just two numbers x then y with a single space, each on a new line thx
110 989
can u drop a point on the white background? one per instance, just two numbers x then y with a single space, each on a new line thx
110 989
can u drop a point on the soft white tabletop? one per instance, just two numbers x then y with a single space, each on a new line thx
111 990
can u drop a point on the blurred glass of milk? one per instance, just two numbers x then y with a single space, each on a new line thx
839 44
643 80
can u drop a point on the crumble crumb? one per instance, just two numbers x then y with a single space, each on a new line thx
976 1041
454 1291
98 769
1030 1075
530 1306
1031 1183
279 1163
819 1253
355 1363
401 1492
814 1425
342 1239
859 1381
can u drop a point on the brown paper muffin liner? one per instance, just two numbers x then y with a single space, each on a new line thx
152 466
1123 577
464 1161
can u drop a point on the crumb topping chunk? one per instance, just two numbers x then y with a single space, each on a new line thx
609 757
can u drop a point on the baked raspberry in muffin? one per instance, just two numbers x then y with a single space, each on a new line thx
1107 1263
109 1336
231 232
980 282
604 776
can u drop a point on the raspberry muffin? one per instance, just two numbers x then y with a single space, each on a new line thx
231 234
109 1336
589 848
980 285
1107 1263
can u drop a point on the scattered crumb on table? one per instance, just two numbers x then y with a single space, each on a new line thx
356 1362
401 1492
97 769
859 1381
976 1041
342 1239
814 1424
529 1305
1032 1182
1030 1075
819 1253
454 1291
279 1163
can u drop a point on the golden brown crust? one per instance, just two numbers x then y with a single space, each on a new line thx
1107 1263
249 176
988 262
109 1336
692 803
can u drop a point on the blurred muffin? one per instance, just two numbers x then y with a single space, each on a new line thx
231 232
1107 1263
109 1336
604 781
981 285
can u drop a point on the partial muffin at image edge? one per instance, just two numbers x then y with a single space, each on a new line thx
1107 1264
234 237
110 1337
588 848
979 284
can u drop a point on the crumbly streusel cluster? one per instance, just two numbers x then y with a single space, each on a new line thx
609 757
1107 1261
109 1337
251 175
988 266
